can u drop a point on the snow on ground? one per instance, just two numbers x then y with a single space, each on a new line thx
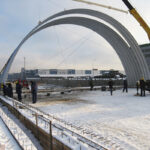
121 120
22 134
7 141
59 132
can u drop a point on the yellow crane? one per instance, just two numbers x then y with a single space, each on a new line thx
137 16
132 10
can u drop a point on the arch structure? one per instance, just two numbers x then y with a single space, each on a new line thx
122 41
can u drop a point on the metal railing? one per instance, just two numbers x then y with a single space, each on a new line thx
60 127
21 138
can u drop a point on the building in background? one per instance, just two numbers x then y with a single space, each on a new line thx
62 73
14 76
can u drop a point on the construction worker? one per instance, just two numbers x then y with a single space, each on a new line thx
137 86
4 89
110 84
34 91
91 83
125 85
19 91
142 86
9 90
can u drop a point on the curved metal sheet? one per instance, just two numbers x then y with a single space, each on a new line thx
136 56
133 56
106 32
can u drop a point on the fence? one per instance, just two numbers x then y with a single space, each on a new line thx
22 140
50 130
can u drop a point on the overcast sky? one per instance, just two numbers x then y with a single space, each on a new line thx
63 46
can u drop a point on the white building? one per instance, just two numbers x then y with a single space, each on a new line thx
62 71
43 71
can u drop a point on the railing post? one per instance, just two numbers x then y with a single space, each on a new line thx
36 121
50 134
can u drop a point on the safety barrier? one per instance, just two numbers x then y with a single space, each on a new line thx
52 132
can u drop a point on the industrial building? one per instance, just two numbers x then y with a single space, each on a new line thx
59 73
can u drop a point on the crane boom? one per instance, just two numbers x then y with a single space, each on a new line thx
101 5
137 16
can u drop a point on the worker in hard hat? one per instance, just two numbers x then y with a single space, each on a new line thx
4 89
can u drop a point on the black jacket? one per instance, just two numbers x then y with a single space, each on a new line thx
18 88
142 84
110 83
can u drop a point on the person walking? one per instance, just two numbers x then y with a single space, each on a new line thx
19 91
9 90
34 91
125 85
110 84
142 86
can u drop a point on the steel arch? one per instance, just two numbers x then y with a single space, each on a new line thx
135 60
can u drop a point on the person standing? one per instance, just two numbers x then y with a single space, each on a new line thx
4 89
110 84
142 86
9 90
91 83
125 85
34 91
137 86
19 91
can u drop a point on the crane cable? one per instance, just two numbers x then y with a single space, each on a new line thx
58 40
72 52
101 5
64 50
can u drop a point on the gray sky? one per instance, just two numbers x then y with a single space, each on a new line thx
63 46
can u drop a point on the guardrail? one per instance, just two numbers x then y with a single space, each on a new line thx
54 126
17 133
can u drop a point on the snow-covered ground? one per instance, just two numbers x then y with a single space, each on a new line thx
7 142
122 121
68 137
24 136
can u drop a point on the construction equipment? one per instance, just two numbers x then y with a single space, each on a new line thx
137 16
132 10
96 4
